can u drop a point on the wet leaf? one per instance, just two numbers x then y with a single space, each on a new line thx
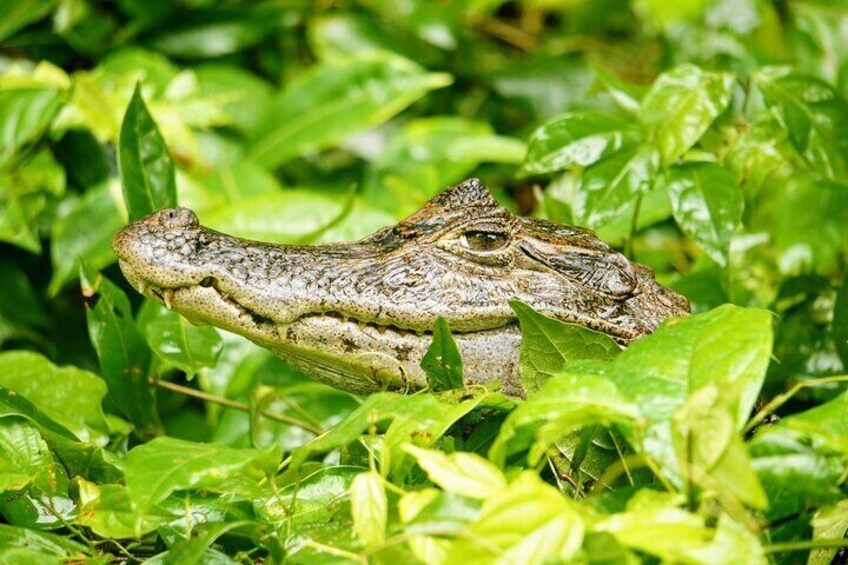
147 169
813 113
577 140
681 105
547 345
442 363
707 205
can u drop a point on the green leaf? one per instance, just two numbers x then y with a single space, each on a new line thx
810 229
212 34
147 169
465 474
839 325
710 450
830 522
681 106
25 114
110 512
547 345
442 363
42 542
159 467
565 404
577 140
814 115
660 371
369 508
84 230
707 205
336 100
68 395
174 340
123 354
608 187
528 522
23 451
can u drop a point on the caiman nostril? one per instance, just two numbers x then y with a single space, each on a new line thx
173 218
208 282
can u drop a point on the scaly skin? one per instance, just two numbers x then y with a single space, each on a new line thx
359 315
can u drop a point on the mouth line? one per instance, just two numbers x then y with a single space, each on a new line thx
166 295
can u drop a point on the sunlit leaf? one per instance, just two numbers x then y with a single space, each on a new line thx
463 473
369 508
147 169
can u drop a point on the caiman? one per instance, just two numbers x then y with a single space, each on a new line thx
359 316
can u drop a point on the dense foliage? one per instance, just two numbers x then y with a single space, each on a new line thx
707 139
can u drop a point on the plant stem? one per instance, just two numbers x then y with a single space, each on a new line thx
781 399
234 404
804 545
634 225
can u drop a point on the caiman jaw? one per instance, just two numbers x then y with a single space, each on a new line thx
359 316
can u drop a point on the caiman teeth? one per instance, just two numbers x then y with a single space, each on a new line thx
168 297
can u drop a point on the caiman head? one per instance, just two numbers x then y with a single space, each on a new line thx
360 315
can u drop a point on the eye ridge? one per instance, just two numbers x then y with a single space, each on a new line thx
482 240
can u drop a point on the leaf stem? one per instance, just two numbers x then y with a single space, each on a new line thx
236 405
781 399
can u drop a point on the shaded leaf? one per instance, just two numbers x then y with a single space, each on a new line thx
442 363
547 345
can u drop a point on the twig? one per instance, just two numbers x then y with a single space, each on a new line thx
781 399
804 545
234 404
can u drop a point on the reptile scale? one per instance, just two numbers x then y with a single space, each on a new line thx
359 316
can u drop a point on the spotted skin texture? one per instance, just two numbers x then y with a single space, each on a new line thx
359 315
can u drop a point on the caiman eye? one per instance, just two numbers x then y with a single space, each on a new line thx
483 240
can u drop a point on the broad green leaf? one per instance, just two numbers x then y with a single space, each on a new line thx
710 450
68 395
84 230
147 169
177 342
681 106
335 100
161 466
198 547
547 345
369 508
123 354
25 114
110 512
442 363
814 115
659 372
577 140
466 474
794 474
527 522
285 216
826 424
830 522
608 187
707 205
20 13
566 403
246 94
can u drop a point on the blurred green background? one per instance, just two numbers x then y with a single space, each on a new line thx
706 139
